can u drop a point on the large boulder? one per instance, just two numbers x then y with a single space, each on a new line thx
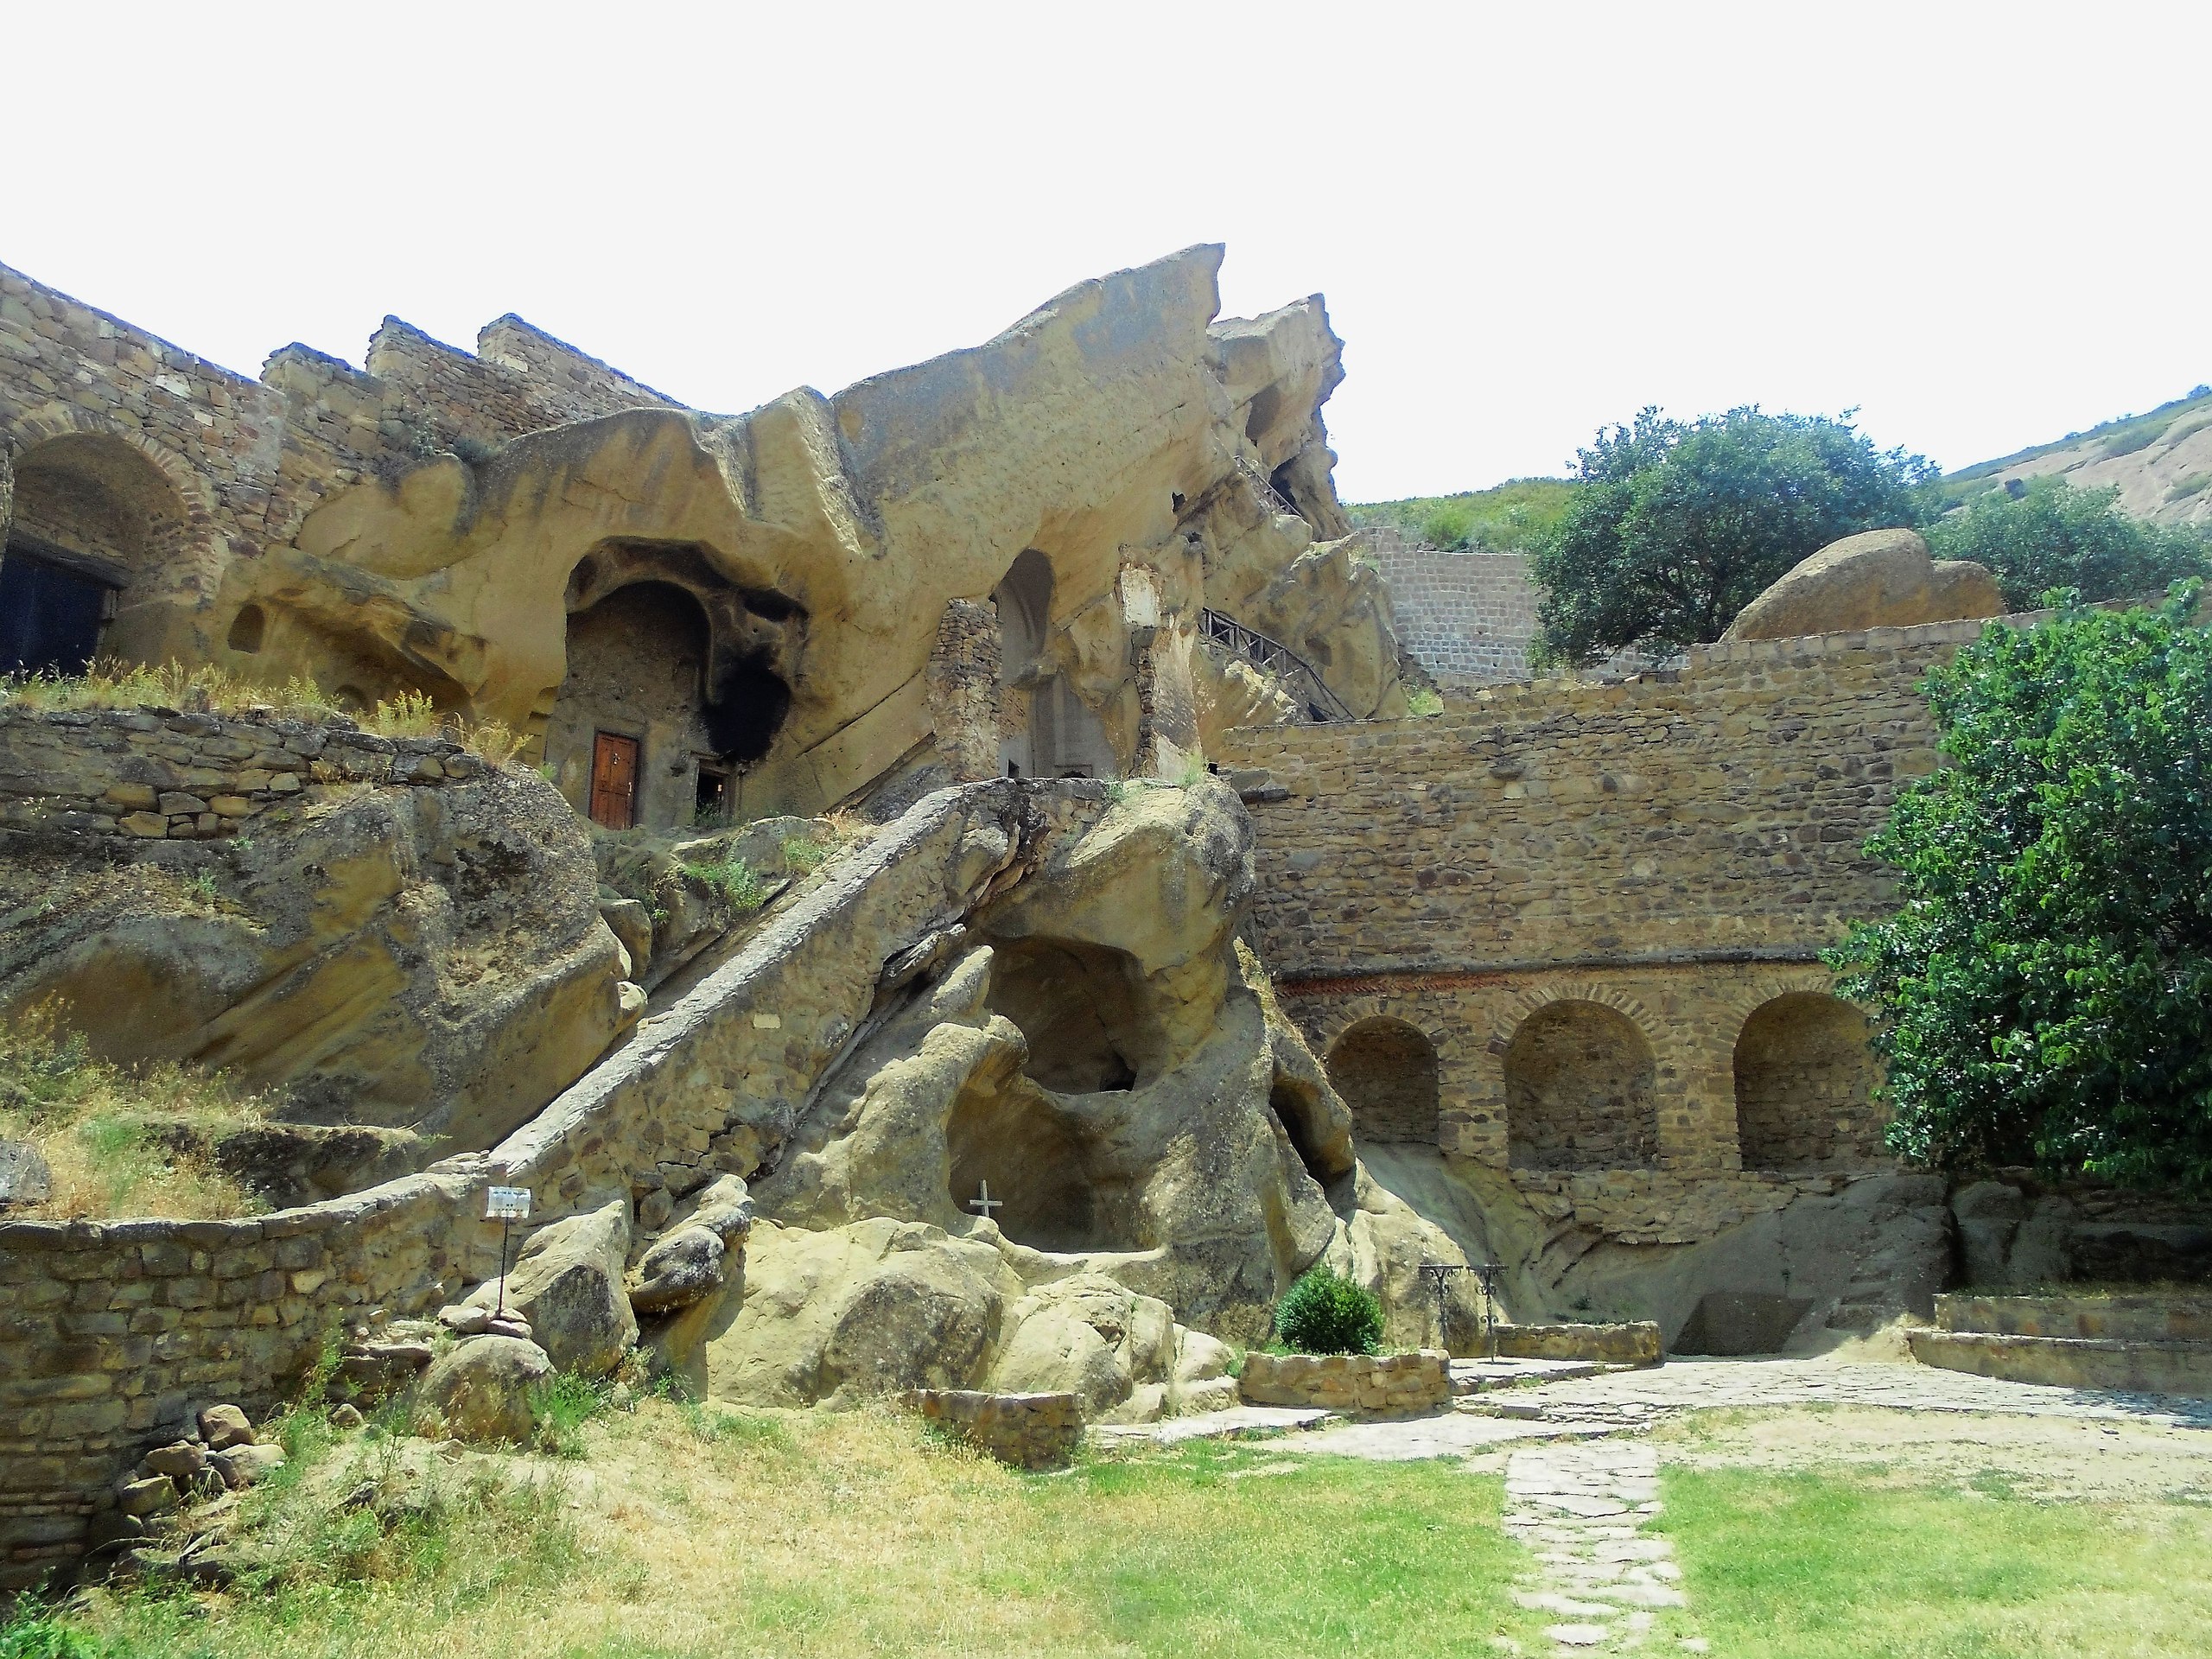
482 1388
1087 1336
1879 579
568 1283
851 1313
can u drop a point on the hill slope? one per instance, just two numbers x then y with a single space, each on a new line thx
2161 462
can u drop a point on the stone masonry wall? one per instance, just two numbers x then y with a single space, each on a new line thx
1676 849
1467 618
147 773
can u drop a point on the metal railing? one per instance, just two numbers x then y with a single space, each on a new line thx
1297 675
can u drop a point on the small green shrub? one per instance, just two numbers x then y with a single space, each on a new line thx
733 881
1326 1313
562 1405
1449 526
1423 704
33 1633
802 856
2195 484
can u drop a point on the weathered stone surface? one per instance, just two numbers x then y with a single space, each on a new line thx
224 1427
1031 1431
1089 1337
1881 579
683 1268
1391 1384
420 959
481 1389
242 1466
849 1313
25 1176
566 1282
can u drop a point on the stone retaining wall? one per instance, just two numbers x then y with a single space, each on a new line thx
1031 1431
154 773
1467 618
1633 1344
1366 1382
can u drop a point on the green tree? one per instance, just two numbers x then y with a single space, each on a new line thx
2052 535
2044 994
1678 526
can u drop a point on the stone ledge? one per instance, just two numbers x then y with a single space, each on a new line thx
1632 1343
1370 1383
1030 1431
2183 1368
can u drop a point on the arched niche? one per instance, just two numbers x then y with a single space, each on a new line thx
1079 1007
1386 1072
1050 732
1805 1078
1580 1090
94 521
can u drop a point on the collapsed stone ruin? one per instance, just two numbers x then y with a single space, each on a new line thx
1116 946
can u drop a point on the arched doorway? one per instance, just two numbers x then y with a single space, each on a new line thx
1050 732
1805 1082
1579 1091
91 519
628 733
1386 1072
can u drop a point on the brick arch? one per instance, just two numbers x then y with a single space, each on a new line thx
1529 999
1803 1078
34 427
1385 1068
1750 995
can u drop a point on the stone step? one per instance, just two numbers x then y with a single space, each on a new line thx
1484 1376
2182 1368
2148 1318
1236 1423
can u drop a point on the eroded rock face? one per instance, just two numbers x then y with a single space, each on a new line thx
1107 1067
481 1389
568 1283
1881 579
420 959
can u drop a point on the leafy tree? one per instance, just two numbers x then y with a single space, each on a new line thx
2045 993
1326 1313
2052 535
1678 526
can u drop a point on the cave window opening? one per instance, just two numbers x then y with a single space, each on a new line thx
711 797
247 629
1580 1090
52 611
1076 1007
1291 1111
1805 1076
1386 1072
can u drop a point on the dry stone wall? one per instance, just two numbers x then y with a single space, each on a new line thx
1467 618
1381 1383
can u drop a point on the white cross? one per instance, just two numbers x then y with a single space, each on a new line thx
986 1202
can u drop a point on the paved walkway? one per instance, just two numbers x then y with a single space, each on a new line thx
1581 1508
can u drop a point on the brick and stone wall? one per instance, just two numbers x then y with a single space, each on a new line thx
1654 860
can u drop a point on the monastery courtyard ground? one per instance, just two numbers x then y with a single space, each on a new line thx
1812 1508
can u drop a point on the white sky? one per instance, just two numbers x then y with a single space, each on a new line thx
1983 225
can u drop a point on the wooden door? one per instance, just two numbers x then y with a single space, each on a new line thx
614 781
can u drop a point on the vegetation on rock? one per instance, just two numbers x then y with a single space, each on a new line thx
1508 518
119 1142
1678 525
1327 1313
2053 535
2045 991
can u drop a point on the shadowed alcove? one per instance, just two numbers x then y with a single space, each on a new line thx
1804 1085
1077 1006
1040 1156
1386 1071
1579 1091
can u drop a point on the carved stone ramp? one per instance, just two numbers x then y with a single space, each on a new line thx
716 1082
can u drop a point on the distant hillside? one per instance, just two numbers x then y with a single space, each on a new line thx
2160 462
1505 518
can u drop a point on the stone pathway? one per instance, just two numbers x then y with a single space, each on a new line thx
1631 1399
1581 1508
1237 1423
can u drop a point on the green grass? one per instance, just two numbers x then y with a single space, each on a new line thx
1507 519
1833 1566
733 881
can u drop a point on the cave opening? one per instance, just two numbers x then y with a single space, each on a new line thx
1077 1007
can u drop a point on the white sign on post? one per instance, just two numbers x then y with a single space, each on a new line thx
508 1204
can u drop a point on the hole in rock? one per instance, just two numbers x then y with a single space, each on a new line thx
1076 1004
247 628
1038 1155
1298 1108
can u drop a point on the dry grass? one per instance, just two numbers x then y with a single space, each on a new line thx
119 1142
692 1531
212 690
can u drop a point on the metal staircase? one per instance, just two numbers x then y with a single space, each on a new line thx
1229 637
